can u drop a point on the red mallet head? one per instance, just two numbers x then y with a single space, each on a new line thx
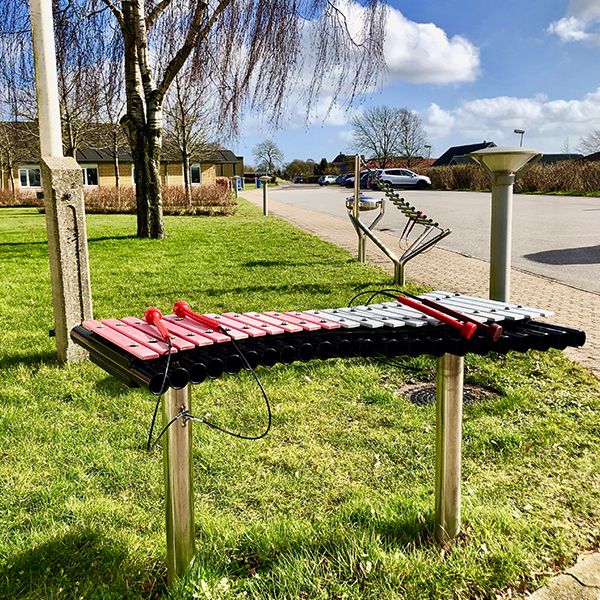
467 330
182 308
154 317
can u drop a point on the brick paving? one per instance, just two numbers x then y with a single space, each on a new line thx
446 270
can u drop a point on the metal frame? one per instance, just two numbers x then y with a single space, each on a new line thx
179 483
177 449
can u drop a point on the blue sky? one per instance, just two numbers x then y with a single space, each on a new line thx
473 70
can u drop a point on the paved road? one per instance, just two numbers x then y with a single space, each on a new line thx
554 236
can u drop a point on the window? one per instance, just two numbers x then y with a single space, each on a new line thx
195 174
90 175
30 177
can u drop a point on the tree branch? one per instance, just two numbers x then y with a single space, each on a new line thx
193 35
155 12
115 11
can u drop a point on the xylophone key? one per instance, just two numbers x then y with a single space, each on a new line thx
284 324
181 338
244 319
204 330
150 340
122 341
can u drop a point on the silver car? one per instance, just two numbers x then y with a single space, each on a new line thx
403 178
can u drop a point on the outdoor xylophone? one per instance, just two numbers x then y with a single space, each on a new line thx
135 351
166 354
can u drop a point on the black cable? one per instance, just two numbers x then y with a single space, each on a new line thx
386 292
264 394
149 446
185 414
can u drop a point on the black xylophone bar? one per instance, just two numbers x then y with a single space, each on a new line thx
214 361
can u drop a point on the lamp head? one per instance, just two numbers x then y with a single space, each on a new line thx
505 159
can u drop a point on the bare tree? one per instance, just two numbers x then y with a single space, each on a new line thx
187 116
108 135
389 133
590 144
268 156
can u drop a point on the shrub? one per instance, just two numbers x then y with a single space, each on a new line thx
577 177
206 199
7 198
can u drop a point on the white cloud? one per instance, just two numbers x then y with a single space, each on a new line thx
580 24
547 123
423 53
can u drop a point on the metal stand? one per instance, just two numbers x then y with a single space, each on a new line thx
501 236
177 452
448 446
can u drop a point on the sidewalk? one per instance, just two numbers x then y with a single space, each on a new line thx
445 270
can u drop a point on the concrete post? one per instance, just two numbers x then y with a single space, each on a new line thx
46 85
68 252
63 196
501 236
265 184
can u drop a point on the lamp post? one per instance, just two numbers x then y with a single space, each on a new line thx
520 132
502 164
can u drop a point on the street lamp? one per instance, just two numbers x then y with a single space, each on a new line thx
521 133
502 164
428 150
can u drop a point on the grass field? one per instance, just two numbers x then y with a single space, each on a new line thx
336 502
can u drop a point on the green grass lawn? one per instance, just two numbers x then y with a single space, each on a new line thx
336 502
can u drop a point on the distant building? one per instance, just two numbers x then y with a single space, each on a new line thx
592 157
98 165
344 163
456 154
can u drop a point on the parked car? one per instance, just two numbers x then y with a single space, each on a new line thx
403 178
365 180
297 179
340 178
327 179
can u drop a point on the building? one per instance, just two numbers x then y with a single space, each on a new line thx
456 154
98 165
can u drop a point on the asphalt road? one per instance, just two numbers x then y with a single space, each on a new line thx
554 236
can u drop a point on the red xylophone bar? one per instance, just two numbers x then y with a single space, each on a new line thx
492 331
466 329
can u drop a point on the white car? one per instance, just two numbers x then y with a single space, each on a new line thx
327 179
403 178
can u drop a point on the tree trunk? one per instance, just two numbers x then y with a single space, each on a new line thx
185 158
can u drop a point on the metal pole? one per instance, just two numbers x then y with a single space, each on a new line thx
265 181
46 84
399 278
177 454
355 211
501 236
448 446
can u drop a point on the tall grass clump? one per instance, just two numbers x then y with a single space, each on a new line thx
205 199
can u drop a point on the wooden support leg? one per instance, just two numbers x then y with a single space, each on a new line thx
177 451
448 446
